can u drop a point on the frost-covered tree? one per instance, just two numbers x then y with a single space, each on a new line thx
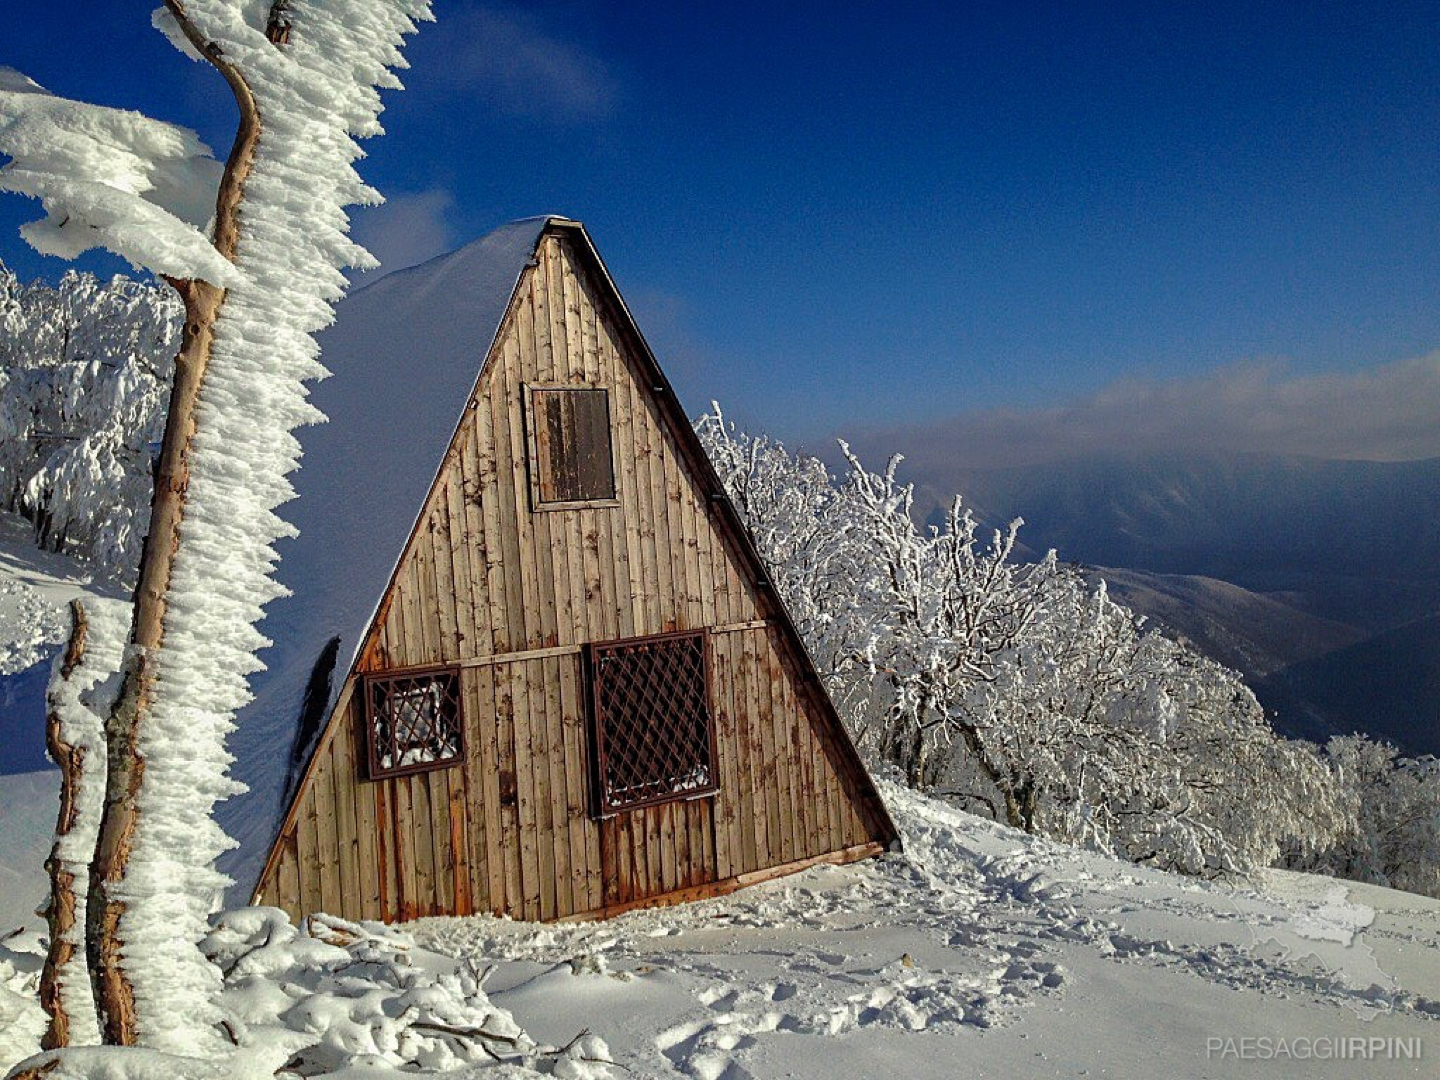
85 370
1396 838
1018 688
256 248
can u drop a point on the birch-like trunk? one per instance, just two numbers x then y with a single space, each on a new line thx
60 911
125 769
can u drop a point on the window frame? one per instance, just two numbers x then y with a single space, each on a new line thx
370 680
601 807
538 504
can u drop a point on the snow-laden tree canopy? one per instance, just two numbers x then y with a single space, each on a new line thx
85 369
1023 692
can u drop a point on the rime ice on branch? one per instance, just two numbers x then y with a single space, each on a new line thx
308 86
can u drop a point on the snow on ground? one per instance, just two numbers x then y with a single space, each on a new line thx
978 952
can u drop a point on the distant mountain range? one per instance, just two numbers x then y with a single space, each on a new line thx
1320 580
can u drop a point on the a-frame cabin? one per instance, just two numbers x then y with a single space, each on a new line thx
530 663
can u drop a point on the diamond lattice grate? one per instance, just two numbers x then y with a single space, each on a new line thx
652 720
414 722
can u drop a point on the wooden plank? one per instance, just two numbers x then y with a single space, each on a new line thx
587 885
491 808
811 822
682 518
372 872
487 485
786 767
701 526
324 799
566 528
503 394
415 803
477 833
308 846
462 563
750 823
510 448
447 577
659 857
385 850
528 839
650 470
548 757
461 903
422 573
675 839
287 876
407 893
347 833
834 794
443 856
531 326
756 738
628 525
724 754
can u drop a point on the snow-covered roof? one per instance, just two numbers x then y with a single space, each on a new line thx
405 353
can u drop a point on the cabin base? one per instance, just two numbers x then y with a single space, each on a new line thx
729 885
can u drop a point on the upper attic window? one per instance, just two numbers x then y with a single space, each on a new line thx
572 462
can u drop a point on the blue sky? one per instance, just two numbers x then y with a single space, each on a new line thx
876 216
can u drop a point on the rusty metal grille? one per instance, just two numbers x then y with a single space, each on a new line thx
413 721
654 739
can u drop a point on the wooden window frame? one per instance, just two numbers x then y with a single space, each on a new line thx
538 505
370 680
601 806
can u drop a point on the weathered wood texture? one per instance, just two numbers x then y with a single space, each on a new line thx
510 830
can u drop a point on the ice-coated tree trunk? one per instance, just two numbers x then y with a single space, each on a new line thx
60 911
125 768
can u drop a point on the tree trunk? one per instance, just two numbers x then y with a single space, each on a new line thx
125 769
60 911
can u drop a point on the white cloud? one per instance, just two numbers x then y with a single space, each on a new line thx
1390 412
407 229
507 59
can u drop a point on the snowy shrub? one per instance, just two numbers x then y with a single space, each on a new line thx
84 376
1396 836
1017 688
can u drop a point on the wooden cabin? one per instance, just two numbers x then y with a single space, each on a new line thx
530 663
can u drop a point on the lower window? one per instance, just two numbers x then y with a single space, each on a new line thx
652 731
413 722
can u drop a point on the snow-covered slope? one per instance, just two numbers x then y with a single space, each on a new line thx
979 952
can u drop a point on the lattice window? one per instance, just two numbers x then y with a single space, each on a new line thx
413 721
653 735
571 458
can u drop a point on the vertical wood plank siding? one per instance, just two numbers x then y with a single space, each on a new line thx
510 829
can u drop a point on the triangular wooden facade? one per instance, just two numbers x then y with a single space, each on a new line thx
508 596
